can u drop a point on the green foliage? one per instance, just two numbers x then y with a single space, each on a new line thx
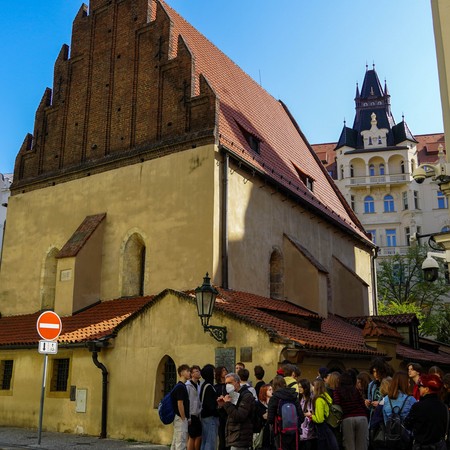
402 289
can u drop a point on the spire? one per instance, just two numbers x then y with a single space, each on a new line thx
357 91
386 91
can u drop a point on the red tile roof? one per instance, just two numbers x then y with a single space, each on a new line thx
422 355
379 328
243 103
81 236
391 319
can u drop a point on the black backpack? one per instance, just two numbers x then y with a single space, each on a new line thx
396 435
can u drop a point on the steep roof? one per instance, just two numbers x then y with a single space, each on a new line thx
245 105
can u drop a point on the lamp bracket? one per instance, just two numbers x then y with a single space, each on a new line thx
218 333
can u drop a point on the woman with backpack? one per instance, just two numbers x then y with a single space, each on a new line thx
326 439
396 406
264 439
354 423
308 438
285 414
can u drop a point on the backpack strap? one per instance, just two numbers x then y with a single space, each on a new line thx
203 391
293 383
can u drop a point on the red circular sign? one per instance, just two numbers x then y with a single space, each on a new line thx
49 325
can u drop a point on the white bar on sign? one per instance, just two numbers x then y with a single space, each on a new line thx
54 326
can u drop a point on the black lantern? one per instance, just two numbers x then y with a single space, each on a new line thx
206 299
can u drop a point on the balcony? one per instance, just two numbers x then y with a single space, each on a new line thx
399 178
391 251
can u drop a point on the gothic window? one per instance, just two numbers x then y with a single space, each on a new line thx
388 203
379 140
276 275
402 166
133 267
369 205
370 140
48 284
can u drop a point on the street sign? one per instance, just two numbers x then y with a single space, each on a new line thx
48 347
49 325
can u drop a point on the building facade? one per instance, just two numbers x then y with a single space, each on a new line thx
372 164
5 184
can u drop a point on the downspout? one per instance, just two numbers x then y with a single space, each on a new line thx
373 257
226 164
104 390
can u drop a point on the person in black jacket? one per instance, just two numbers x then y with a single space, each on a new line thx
209 415
284 394
239 405
428 417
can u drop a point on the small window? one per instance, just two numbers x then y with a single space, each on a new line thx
416 200
388 203
391 238
60 375
381 169
352 171
342 172
405 200
352 202
370 140
6 370
442 200
254 143
408 235
402 167
445 229
372 170
369 205
373 235
309 184
379 140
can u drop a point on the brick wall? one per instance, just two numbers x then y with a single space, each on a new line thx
118 95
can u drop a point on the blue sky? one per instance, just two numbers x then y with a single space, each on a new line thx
310 54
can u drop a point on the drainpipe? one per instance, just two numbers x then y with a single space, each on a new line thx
94 349
374 281
226 164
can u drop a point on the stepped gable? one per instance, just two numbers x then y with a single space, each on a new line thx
141 82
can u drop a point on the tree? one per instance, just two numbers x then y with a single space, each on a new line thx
402 289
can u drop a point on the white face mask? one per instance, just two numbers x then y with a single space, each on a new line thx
229 388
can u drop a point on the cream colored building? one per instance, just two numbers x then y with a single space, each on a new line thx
372 164
5 183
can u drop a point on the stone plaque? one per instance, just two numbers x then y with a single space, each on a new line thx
246 354
226 357
65 275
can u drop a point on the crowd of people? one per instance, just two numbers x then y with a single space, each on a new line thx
350 410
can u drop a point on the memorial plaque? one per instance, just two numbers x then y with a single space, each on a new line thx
226 357
246 354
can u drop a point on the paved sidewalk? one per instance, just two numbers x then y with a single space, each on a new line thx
24 438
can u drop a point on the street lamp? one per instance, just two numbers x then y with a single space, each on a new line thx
206 299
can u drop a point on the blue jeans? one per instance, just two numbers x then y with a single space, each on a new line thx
210 428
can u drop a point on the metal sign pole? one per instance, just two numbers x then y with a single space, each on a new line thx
41 410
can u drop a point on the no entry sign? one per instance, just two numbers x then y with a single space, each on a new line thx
49 325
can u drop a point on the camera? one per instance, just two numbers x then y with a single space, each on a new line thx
419 174
430 269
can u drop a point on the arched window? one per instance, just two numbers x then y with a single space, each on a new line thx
402 166
372 170
381 169
49 280
388 203
342 172
352 171
379 140
276 275
133 266
369 205
166 379
370 140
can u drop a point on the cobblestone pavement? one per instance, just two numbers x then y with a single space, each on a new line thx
23 438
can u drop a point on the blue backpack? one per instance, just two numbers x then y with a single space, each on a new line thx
165 408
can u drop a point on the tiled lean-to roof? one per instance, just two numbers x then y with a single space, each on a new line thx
245 105
283 321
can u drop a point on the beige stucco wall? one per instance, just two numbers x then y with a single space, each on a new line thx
169 327
441 19
259 216
168 200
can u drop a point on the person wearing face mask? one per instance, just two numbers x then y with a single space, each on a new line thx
239 404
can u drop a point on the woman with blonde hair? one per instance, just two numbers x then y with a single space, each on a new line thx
325 437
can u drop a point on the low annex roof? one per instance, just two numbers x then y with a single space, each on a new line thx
245 105
282 321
